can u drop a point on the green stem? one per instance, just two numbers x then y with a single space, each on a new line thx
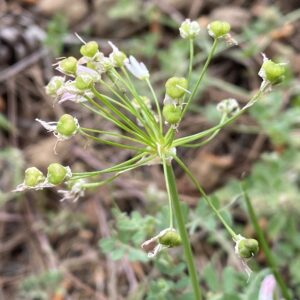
265 247
191 62
182 231
169 195
206 198
100 183
106 142
118 167
106 115
210 55
129 84
196 136
110 179
157 105
113 134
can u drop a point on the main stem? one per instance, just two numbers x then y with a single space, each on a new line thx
182 231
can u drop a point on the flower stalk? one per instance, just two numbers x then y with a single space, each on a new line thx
171 183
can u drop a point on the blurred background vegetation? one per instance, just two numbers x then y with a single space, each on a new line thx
91 249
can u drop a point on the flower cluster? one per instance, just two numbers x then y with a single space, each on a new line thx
146 124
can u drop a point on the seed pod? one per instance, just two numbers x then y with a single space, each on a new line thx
33 176
171 113
170 239
218 29
84 81
54 84
248 248
273 72
67 125
68 65
56 173
176 86
89 49
119 58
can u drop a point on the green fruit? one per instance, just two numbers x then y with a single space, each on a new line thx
176 86
218 29
89 49
170 239
66 125
33 176
248 248
55 83
69 65
273 72
56 173
119 58
84 81
171 113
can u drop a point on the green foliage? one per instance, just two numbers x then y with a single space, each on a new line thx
124 9
56 31
131 232
11 172
4 123
62 221
40 286
277 121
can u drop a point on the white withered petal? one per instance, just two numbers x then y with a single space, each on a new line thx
76 192
23 187
68 92
228 106
85 70
138 69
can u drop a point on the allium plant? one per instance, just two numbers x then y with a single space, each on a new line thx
148 127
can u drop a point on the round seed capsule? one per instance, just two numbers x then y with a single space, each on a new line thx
55 83
84 81
69 65
176 86
218 29
170 238
273 72
66 125
171 113
89 49
119 58
33 176
248 248
56 173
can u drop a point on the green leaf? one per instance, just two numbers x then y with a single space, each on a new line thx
107 244
229 280
210 277
4 123
137 255
117 253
